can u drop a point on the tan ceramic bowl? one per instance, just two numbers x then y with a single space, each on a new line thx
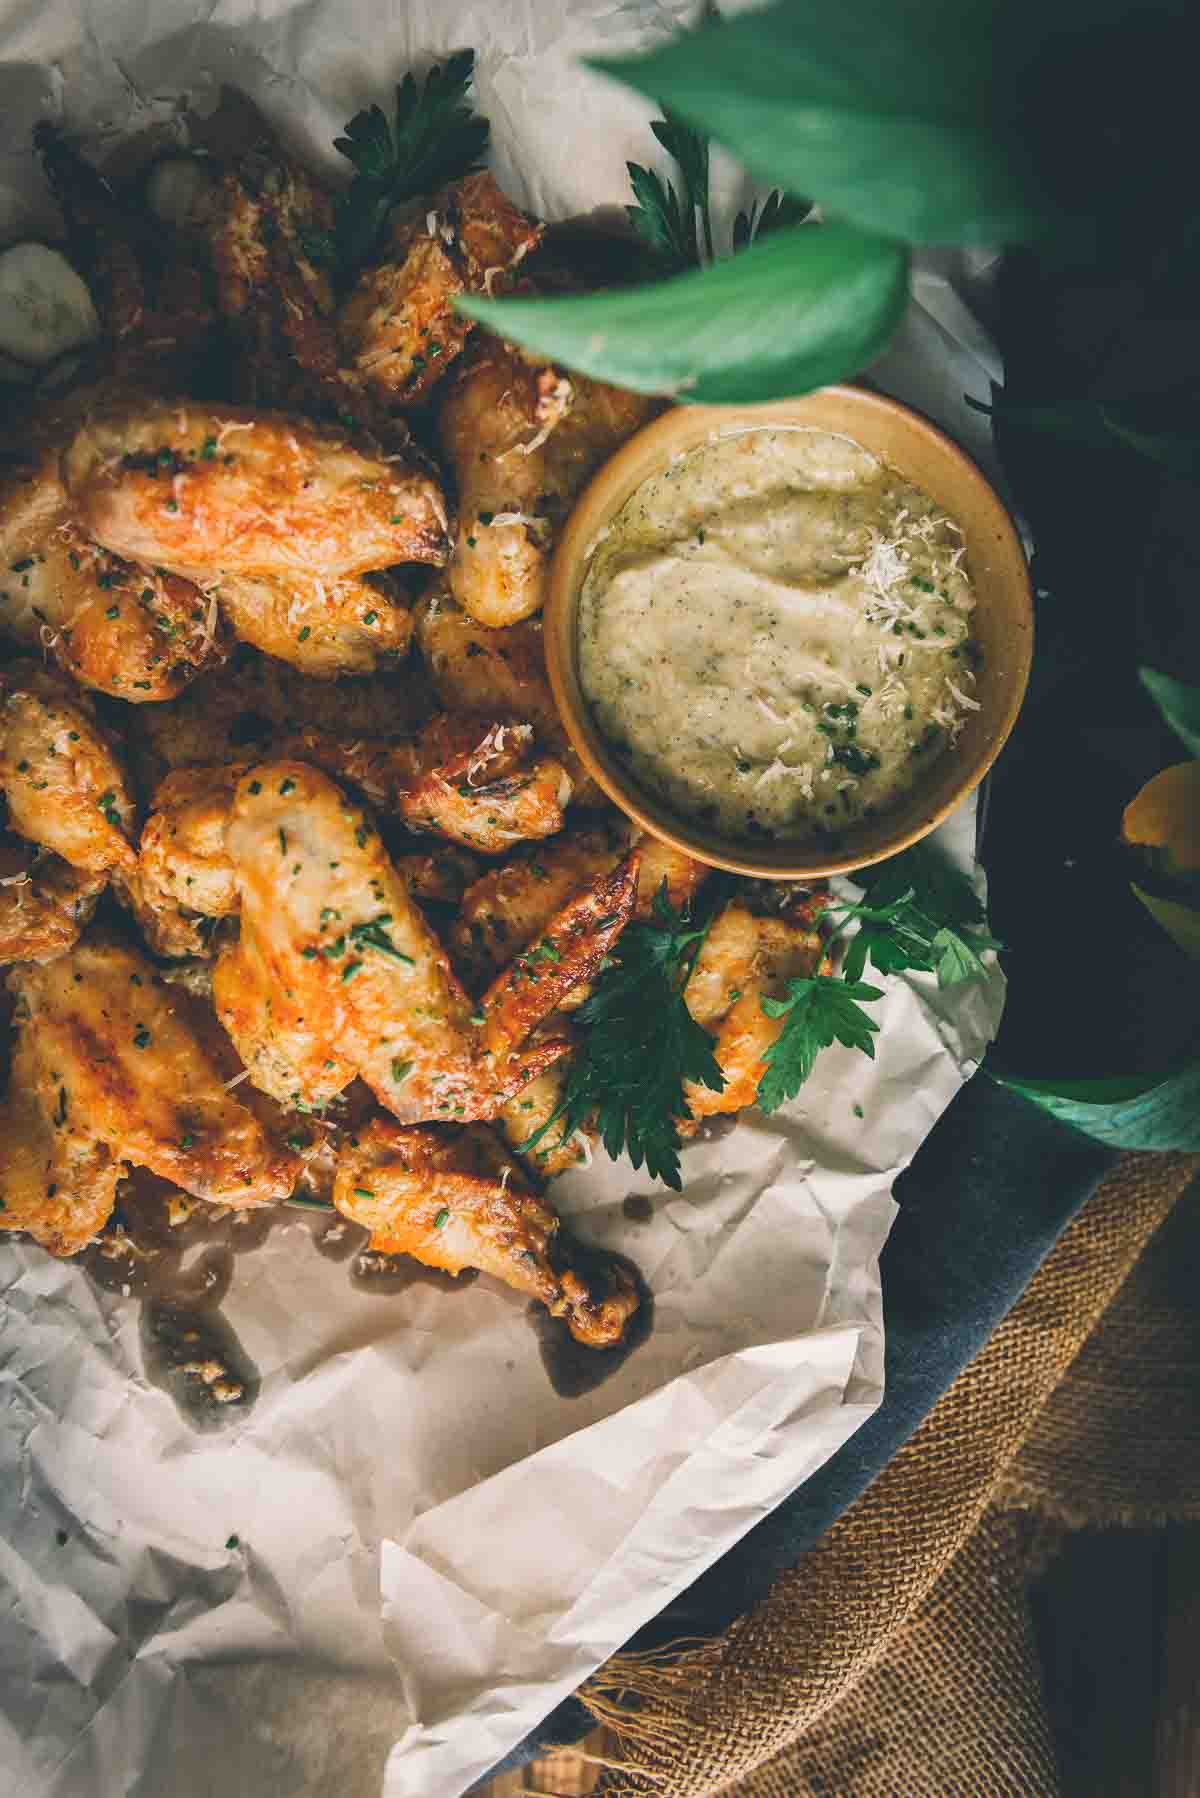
1002 622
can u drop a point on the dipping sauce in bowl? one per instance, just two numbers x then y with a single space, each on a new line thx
775 633
789 638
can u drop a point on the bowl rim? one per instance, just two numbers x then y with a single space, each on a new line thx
564 583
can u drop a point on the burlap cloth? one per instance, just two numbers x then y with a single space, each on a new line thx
896 1659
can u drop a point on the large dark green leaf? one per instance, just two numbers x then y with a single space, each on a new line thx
1153 1111
899 115
800 309
1178 703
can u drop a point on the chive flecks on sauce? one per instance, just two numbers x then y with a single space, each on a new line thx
806 672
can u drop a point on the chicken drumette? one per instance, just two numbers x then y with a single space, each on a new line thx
455 1200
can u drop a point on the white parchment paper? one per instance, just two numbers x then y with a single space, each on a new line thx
411 1548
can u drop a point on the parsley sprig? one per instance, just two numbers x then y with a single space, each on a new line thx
436 137
672 223
641 1045
821 1010
920 913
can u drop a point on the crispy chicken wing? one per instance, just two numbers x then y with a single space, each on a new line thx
456 1200
480 795
44 904
154 301
118 1061
59 1183
183 873
336 971
744 959
523 440
500 672
65 785
348 624
230 491
568 953
398 326
532 1110
122 629
261 700
467 778
507 907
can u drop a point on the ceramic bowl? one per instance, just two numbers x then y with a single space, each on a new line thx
1002 623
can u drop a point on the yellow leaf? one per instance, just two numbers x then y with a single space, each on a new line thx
1182 922
1165 817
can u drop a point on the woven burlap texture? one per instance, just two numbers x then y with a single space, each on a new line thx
912 1606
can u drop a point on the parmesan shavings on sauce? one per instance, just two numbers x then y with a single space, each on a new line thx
775 634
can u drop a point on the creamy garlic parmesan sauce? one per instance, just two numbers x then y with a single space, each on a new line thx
775 633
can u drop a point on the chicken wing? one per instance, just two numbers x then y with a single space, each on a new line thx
137 633
532 1110
456 1200
480 796
58 1184
44 905
201 491
116 1060
745 958
398 327
336 971
500 672
260 699
523 440
65 786
507 907
272 288
348 624
569 952
183 875
153 300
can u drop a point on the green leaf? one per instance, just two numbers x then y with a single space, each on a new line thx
795 312
658 218
1181 922
1178 451
437 138
776 212
897 115
1178 703
639 1046
918 906
818 1011
1152 1111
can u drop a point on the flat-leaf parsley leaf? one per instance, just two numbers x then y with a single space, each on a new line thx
818 1011
641 1046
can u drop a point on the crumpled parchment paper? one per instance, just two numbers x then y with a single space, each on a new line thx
412 1547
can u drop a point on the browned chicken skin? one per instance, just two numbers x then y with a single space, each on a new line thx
207 491
44 905
59 1184
745 958
336 971
134 632
523 440
398 326
64 782
347 624
111 1063
455 1200
500 672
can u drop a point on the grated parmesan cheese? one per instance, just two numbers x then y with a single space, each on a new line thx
748 633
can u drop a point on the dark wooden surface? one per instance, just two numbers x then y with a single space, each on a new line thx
1118 1616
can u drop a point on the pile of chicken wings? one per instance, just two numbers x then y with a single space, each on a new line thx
291 816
